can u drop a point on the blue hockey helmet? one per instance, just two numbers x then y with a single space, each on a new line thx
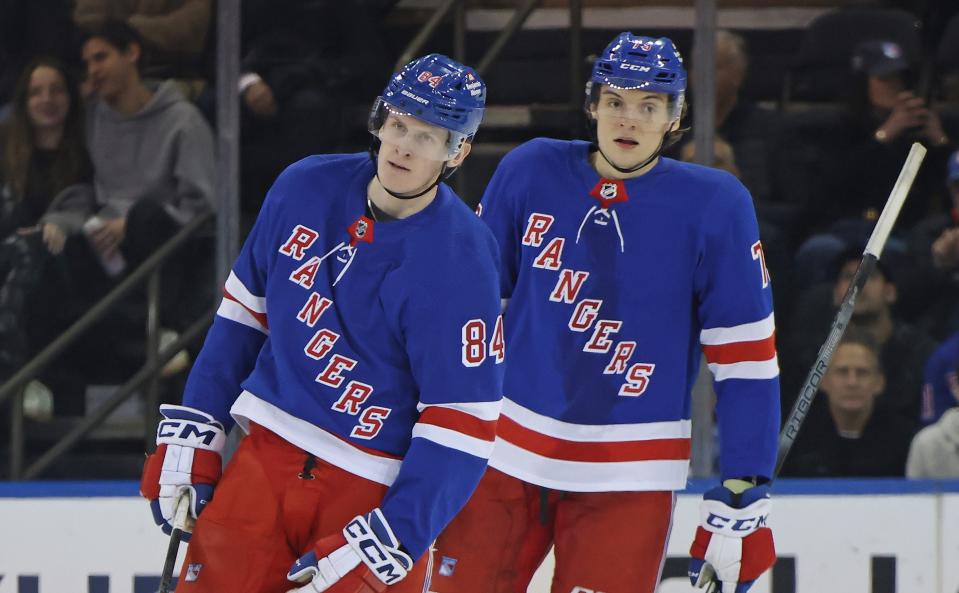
637 62
439 91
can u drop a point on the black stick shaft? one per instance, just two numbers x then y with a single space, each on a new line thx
167 576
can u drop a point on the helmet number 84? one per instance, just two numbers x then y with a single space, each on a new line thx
427 76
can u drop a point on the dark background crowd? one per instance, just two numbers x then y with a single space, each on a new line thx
107 117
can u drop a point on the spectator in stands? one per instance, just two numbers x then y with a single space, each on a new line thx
885 114
302 64
45 192
903 347
940 391
935 248
152 154
758 138
848 434
172 33
935 450
723 156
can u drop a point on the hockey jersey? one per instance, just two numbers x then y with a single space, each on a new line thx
374 346
615 288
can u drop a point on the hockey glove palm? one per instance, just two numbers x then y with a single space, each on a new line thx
365 558
187 457
733 545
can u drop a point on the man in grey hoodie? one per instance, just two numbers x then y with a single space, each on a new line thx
152 151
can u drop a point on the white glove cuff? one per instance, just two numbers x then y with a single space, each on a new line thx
339 563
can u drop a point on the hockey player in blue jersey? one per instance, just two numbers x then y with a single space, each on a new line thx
358 345
620 268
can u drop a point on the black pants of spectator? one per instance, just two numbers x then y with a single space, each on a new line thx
148 228
23 258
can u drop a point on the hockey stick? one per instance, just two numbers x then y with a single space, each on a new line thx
869 258
181 510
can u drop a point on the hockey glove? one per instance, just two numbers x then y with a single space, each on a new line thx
733 545
365 558
187 457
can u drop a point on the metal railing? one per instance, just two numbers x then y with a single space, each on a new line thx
519 17
513 26
416 44
149 271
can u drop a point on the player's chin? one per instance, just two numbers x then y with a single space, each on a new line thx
625 156
628 161
402 183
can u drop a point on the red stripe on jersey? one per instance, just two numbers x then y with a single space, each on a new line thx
460 422
554 448
734 352
260 317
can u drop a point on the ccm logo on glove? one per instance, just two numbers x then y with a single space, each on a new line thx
744 525
187 431
718 517
375 555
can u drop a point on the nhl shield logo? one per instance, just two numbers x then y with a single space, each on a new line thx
361 230
608 191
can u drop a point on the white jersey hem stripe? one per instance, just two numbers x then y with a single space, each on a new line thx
747 332
309 437
765 369
578 476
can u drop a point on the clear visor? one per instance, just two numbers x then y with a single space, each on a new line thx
651 110
397 129
647 113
